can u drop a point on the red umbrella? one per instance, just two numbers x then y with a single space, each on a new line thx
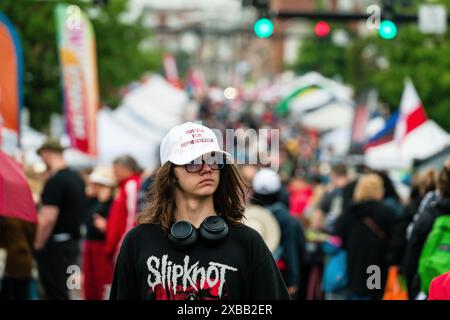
16 200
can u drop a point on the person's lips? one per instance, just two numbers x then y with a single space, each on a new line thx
207 181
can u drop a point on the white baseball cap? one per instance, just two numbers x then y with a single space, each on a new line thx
187 142
266 181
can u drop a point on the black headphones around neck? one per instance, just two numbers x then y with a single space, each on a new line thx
184 235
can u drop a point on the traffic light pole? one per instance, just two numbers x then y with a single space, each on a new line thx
398 18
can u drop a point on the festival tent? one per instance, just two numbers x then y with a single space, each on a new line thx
136 127
317 102
115 140
332 116
155 104
30 141
146 114
340 139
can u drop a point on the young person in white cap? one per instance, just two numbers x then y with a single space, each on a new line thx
191 243
266 185
97 267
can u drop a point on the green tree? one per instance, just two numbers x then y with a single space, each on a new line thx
424 58
121 58
319 54
374 62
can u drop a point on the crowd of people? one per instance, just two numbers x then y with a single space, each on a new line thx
337 228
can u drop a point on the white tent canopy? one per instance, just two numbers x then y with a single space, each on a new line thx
424 141
327 106
156 104
332 116
136 127
340 139
338 90
115 140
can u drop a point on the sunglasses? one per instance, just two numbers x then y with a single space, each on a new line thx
215 163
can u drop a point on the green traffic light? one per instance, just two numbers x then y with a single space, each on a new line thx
263 28
387 30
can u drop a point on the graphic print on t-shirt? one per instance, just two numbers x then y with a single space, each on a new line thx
170 281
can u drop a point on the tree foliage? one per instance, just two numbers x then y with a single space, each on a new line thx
121 58
371 61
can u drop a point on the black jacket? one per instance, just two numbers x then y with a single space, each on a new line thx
419 235
366 243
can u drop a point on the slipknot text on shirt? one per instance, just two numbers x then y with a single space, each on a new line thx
167 273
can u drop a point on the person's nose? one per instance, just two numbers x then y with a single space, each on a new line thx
206 169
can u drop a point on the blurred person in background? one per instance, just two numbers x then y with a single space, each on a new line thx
16 238
147 178
366 229
428 193
390 196
334 201
422 183
422 228
300 193
328 210
266 186
57 242
318 191
97 268
123 213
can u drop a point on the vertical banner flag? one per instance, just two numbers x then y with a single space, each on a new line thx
11 80
77 55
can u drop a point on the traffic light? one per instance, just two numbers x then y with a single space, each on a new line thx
322 29
387 30
263 28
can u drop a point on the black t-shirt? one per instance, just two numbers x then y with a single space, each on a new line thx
65 189
100 208
241 267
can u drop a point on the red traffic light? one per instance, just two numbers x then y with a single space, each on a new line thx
322 29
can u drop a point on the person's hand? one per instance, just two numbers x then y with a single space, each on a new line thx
104 194
292 291
99 223
38 246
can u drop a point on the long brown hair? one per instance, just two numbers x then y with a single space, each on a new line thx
444 180
229 198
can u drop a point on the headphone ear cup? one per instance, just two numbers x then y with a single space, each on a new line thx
183 235
214 230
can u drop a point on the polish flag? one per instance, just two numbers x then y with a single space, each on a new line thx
412 113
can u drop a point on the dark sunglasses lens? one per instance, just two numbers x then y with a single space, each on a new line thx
216 162
194 167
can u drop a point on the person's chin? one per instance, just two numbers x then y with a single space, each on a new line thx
206 190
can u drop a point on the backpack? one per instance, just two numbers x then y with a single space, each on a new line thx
435 256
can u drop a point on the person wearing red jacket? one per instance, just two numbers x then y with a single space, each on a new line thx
123 214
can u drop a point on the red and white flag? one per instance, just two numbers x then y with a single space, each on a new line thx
412 113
